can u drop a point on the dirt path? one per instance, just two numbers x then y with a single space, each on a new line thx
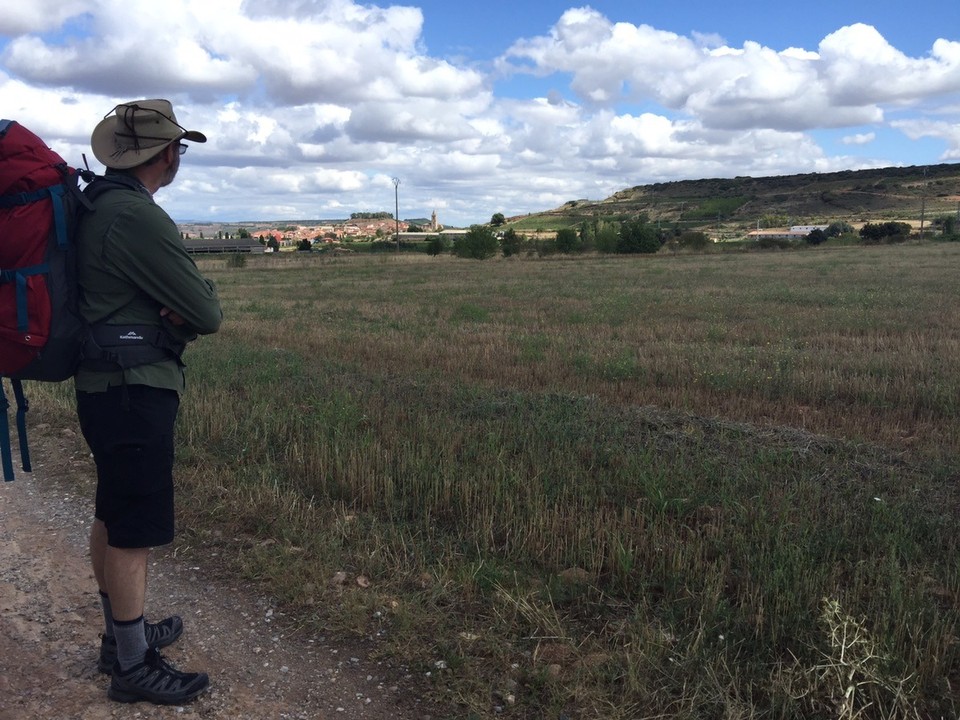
260 666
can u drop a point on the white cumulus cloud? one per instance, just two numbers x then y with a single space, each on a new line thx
859 139
313 106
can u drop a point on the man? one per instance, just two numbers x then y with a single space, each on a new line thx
139 287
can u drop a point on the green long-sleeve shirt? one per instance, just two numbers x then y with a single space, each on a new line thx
132 263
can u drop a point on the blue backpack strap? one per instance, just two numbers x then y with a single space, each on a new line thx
55 193
5 458
19 278
6 455
22 407
23 316
59 216
23 198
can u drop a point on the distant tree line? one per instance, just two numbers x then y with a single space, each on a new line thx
637 235
371 216
885 232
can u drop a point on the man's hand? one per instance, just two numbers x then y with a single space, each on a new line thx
172 316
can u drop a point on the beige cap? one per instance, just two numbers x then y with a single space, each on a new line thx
134 132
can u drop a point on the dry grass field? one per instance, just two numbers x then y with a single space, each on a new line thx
690 486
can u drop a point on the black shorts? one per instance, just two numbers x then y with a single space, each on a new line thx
130 432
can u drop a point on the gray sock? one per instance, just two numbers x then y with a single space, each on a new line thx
131 642
107 614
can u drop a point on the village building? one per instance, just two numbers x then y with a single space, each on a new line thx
795 232
221 238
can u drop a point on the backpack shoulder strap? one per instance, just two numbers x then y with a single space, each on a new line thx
101 184
6 459
6 456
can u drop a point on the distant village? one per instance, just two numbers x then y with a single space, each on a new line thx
267 237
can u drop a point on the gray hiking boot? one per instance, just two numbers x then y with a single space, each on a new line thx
156 681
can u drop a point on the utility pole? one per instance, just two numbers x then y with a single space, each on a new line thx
923 203
396 210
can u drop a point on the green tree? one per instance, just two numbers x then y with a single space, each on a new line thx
816 236
889 232
479 243
497 220
305 245
638 236
437 244
236 260
273 244
588 234
511 243
948 225
871 233
606 237
773 221
838 228
567 241
694 240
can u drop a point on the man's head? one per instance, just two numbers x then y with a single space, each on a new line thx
137 132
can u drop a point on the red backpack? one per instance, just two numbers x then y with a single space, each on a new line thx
41 332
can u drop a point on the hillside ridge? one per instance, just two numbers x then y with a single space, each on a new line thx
892 193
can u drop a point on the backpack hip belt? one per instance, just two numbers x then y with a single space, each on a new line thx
108 348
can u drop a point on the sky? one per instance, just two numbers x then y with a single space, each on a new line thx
313 107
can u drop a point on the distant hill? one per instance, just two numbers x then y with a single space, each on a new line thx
856 196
